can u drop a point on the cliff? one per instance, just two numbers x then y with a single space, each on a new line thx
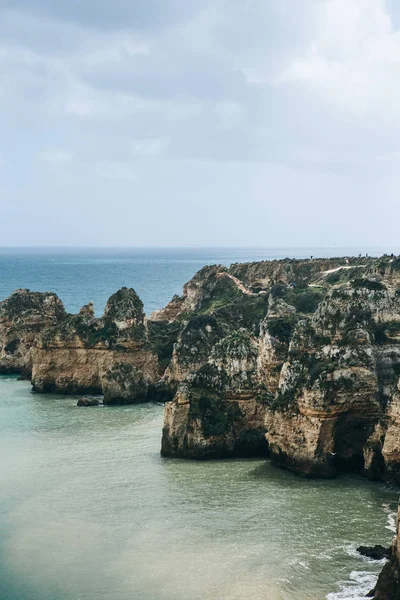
235 329
305 352
300 357
338 388
388 586
22 317
111 355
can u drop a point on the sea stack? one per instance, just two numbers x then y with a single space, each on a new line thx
110 355
23 316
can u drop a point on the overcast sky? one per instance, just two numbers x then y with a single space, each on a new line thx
199 122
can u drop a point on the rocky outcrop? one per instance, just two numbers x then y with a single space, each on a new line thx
22 317
321 362
388 586
304 352
376 552
87 402
216 413
337 387
227 359
110 355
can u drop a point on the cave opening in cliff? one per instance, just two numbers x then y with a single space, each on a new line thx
350 434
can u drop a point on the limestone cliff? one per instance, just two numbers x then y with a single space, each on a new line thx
216 413
22 317
338 389
110 355
388 586
230 349
319 358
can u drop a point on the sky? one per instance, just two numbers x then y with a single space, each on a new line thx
199 123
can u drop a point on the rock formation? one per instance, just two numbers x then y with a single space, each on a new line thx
231 346
305 351
376 552
22 317
300 356
87 402
337 394
110 355
296 358
388 586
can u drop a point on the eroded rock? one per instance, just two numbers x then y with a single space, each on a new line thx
23 316
110 355
85 401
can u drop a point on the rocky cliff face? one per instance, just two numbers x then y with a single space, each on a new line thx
388 586
231 346
308 350
22 317
336 402
306 353
111 355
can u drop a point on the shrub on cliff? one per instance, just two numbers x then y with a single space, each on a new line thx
216 417
282 328
368 284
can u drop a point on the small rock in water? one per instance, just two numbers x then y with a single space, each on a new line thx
85 401
375 552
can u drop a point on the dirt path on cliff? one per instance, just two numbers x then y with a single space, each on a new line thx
238 284
344 267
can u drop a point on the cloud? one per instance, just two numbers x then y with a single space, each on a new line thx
55 157
153 86
353 61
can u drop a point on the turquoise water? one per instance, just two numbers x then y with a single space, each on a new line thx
90 511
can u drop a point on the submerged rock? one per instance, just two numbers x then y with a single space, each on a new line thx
85 401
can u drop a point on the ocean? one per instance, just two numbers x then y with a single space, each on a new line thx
90 511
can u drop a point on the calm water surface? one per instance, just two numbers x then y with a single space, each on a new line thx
90 511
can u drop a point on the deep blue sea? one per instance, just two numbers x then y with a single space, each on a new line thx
89 510
79 276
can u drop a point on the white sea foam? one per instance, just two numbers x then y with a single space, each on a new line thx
351 550
356 587
391 518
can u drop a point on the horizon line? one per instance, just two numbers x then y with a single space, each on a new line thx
195 247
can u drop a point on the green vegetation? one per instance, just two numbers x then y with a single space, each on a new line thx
215 415
332 387
284 400
282 328
396 369
11 346
278 290
236 345
162 336
304 299
368 284
395 265
393 328
124 304
264 395
333 278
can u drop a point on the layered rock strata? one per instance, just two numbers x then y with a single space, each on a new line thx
109 355
22 318
317 366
